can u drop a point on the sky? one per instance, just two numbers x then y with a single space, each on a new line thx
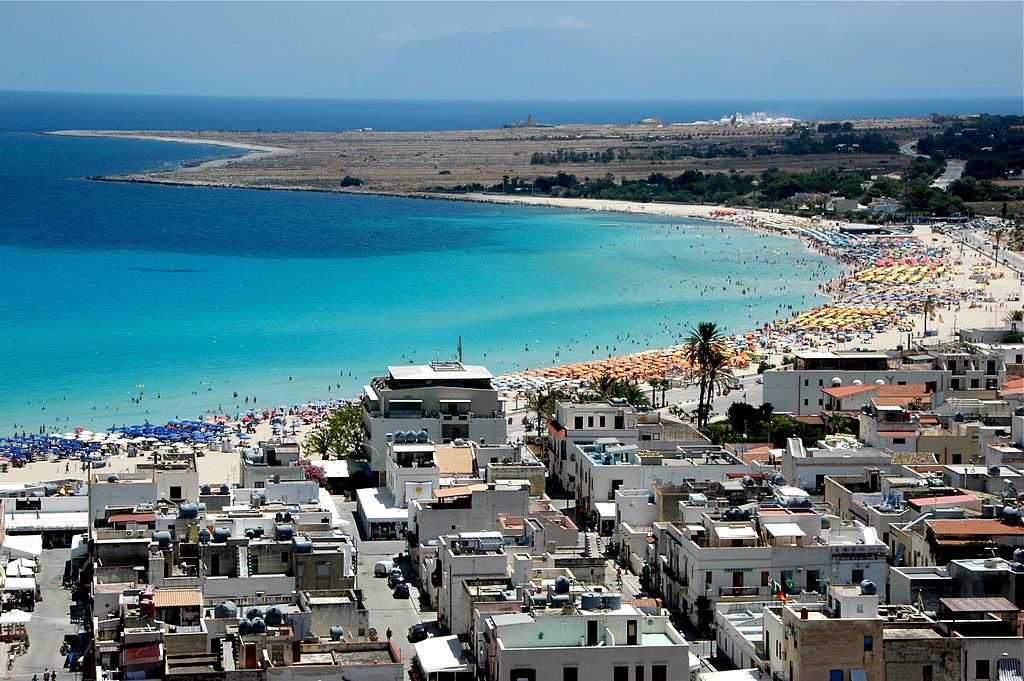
518 50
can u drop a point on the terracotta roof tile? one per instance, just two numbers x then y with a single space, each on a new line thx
177 598
974 527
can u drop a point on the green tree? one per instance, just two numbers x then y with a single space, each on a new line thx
702 348
542 404
340 434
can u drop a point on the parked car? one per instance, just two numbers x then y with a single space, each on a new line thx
395 578
382 568
417 633
401 590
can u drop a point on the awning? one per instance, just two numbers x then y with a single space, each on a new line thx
19 584
15 617
24 545
452 401
441 654
1008 669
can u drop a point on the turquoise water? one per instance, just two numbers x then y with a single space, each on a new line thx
200 293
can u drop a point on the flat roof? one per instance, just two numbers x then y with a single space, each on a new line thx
745 532
441 654
377 505
784 530
439 371
28 521
995 604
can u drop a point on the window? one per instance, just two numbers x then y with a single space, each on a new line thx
764 578
600 421
857 576
621 674
707 578
522 675
835 675
659 672
570 673
926 673
821 382
975 384
806 383
590 422
805 403
176 492
578 422
284 557
323 570
981 669
899 440
639 672
869 644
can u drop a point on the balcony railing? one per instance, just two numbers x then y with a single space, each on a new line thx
734 591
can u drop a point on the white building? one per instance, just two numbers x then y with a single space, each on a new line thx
600 639
449 400
835 455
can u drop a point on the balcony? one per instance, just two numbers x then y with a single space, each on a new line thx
739 591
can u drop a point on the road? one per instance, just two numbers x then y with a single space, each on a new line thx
952 173
910 149
385 610
50 622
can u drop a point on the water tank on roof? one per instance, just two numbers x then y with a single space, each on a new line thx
865 408
274 617
885 507
540 600
205 536
188 511
302 545
1018 555
205 489
244 627
959 417
857 381
993 470
221 534
1019 411
226 610
1011 514
698 500
748 481
51 489
250 532
399 436
423 436
287 516
458 442
259 626
337 633
253 613
258 531
561 585
826 522
868 588
224 489
112 477
163 538
836 382
935 482
612 601
561 599
590 601
284 532
778 479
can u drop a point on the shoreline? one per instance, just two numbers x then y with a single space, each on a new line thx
777 224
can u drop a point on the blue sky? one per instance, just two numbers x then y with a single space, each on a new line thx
477 50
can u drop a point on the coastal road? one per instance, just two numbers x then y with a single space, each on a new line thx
910 149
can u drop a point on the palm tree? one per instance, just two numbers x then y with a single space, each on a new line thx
543 405
606 386
704 343
837 423
1014 316
717 375
929 305
632 393
997 238
656 384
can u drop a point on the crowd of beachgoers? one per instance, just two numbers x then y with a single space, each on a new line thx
890 282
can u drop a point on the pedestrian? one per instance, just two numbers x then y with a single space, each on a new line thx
46 675
53 675
388 633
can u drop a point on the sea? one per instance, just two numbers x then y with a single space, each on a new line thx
121 303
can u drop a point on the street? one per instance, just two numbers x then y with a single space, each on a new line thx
50 622
385 611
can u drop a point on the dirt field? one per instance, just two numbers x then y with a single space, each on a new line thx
406 162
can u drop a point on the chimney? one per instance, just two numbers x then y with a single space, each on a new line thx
803 613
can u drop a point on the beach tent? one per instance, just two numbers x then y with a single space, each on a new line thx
21 567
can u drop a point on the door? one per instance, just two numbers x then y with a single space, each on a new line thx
592 632
631 637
